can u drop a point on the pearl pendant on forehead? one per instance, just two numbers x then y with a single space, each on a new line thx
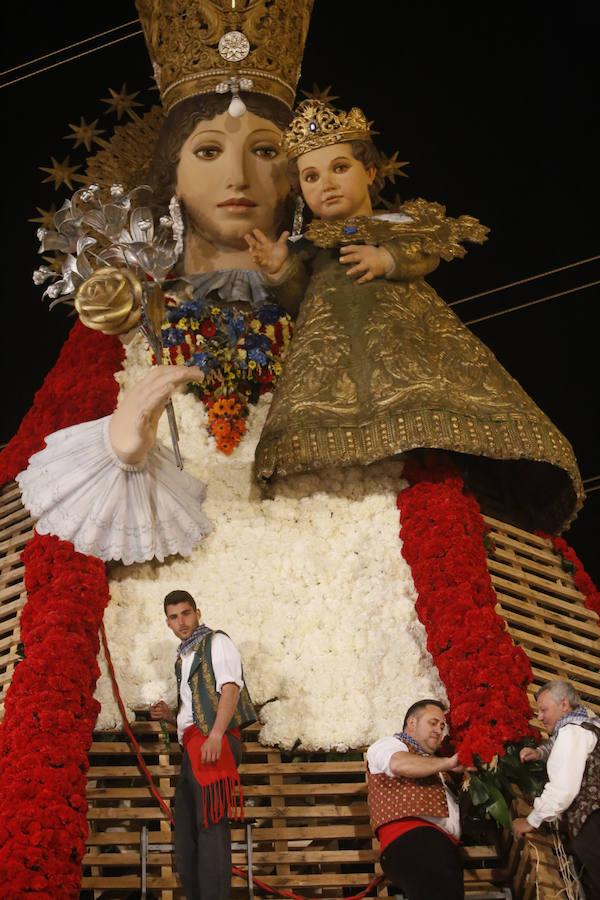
237 107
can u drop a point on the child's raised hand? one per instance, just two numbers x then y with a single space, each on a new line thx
368 261
269 255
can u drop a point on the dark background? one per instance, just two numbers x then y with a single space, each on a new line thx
496 110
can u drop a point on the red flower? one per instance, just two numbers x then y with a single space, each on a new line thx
49 716
207 328
484 673
583 582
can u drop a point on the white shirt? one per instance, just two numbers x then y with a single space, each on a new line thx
565 767
227 666
379 755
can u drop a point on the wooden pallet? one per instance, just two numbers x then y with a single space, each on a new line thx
309 821
545 612
312 832
16 527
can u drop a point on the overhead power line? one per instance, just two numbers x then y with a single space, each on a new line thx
70 58
68 47
505 287
503 312
592 483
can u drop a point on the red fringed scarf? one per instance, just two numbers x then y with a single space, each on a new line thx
219 778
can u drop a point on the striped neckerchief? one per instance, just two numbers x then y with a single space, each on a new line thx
407 739
576 716
193 639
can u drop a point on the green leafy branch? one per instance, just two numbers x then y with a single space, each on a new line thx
490 787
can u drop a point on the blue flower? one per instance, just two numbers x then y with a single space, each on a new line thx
269 314
171 337
195 308
235 323
257 342
204 361
258 357
173 313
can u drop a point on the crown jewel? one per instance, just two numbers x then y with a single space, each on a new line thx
317 125
201 46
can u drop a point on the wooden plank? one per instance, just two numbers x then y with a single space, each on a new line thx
123 813
129 771
125 748
9 492
312 768
587 633
538 588
549 570
167 868
526 538
125 838
13 543
571 670
275 779
325 811
17 518
8 603
300 880
565 651
11 641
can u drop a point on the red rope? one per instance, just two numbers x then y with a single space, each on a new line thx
130 733
293 896
164 806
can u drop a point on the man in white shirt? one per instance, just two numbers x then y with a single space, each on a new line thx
213 706
413 811
573 786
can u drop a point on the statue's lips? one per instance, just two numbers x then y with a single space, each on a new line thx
237 205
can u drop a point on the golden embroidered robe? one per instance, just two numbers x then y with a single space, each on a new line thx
384 367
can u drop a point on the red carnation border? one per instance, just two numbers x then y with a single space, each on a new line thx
50 711
485 674
583 582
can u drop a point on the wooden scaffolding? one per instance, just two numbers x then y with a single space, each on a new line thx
306 827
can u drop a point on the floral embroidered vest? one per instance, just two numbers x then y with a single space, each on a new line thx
395 798
205 698
588 798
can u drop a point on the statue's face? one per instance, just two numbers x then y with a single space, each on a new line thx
334 184
231 178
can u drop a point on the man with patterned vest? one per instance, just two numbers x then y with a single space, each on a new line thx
572 791
213 706
413 809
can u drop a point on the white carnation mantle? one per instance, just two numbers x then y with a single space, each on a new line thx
308 580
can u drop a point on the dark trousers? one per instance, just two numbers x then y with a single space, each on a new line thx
586 847
202 853
423 864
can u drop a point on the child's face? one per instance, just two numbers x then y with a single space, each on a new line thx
334 184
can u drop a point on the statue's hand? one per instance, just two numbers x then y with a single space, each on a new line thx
133 425
271 256
367 261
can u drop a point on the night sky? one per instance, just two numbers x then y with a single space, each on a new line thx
497 112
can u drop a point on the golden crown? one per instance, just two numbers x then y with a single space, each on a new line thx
201 46
318 125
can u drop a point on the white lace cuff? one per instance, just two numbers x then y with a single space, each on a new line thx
80 491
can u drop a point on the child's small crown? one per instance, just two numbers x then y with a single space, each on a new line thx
318 125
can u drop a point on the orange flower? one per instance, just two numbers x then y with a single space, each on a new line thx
226 447
221 428
220 406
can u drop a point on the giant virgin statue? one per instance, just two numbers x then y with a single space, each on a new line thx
295 554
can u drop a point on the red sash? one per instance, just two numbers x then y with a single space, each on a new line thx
218 779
